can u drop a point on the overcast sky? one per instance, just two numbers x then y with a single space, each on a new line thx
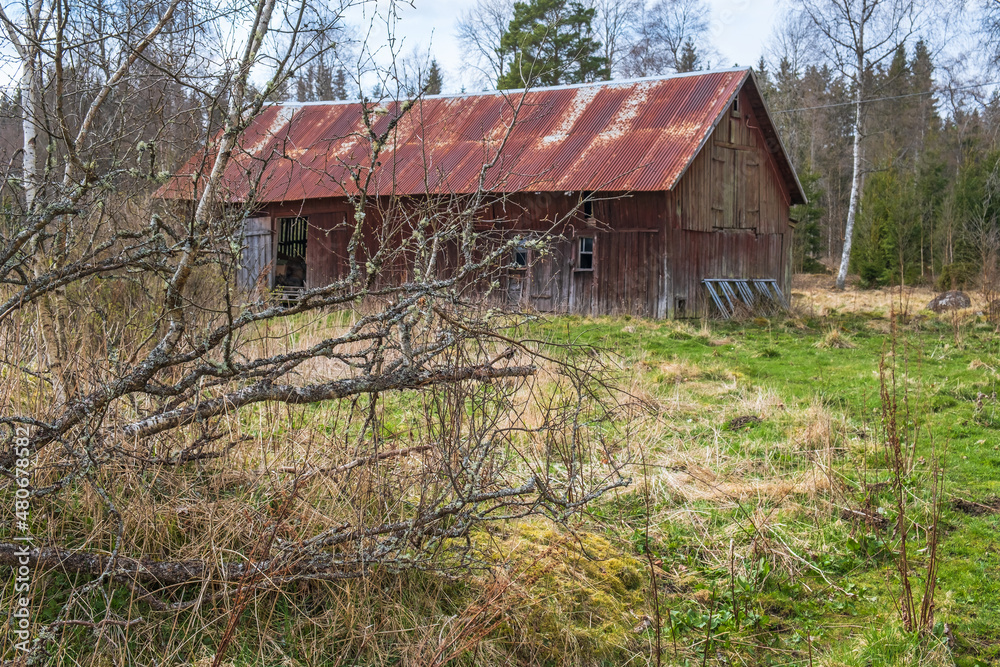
739 30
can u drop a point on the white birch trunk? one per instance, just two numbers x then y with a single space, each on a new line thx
29 126
28 43
852 209
28 48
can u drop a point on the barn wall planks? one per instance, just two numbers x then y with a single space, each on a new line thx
647 262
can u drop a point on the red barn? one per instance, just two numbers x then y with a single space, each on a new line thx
679 188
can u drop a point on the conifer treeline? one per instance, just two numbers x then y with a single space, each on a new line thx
931 190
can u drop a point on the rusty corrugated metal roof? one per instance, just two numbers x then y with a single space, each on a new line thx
637 135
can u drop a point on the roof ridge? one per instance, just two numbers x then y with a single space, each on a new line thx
512 91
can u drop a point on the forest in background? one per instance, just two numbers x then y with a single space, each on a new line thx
931 192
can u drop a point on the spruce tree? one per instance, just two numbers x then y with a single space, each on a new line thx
807 242
340 84
688 62
303 91
434 79
323 84
552 43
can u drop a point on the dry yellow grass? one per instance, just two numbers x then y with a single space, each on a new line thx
835 339
697 483
692 460
816 296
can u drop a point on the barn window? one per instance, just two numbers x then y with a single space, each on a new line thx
588 205
520 258
291 260
585 254
292 238
736 105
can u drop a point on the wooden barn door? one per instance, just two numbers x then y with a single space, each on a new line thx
256 264
545 279
749 196
735 188
539 285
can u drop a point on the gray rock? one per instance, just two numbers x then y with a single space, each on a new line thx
951 300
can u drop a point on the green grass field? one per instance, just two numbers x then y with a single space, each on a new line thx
762 561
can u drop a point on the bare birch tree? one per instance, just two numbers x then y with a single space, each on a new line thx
615 25
479 30
663 29
793 41
855 36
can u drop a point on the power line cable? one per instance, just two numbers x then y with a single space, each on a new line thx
894 97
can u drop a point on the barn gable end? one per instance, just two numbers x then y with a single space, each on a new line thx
732 205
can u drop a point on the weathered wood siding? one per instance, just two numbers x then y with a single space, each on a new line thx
258 254
628 232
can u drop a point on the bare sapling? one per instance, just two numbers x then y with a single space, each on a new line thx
899 430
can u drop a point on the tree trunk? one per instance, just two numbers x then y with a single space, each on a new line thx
31 120
51 318
852 208
31 100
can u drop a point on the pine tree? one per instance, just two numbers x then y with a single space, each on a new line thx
552 43
688 61
434 79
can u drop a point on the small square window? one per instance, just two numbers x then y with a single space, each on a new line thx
585 255
520 258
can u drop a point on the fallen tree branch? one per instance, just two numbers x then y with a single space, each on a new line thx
406 378
86 562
